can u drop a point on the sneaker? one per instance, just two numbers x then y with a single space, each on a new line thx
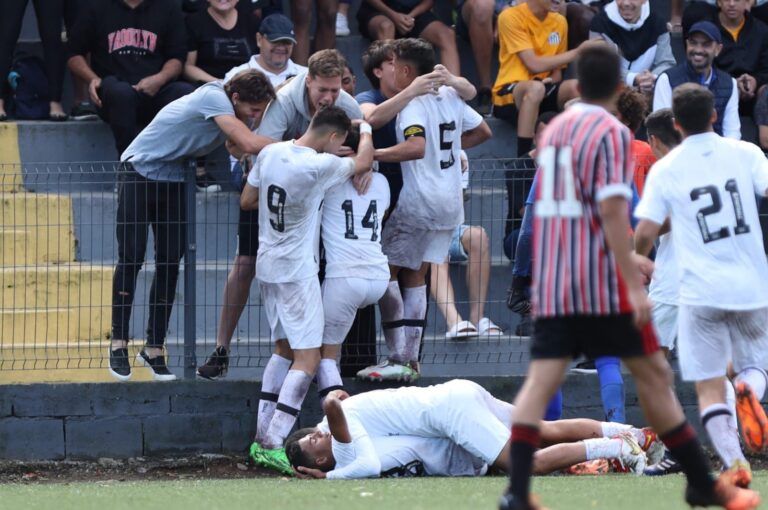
723 495
205 184
590 467
159 369
631 457
738 475
652 446
585 367
342 27
216 365
388 371
119 366
667 466
84 111
483 102
518 302
752 420
525 326
274 459
509 502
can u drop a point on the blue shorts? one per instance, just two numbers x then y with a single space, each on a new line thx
456 253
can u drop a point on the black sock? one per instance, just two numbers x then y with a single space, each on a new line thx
686 449
525 441
523 146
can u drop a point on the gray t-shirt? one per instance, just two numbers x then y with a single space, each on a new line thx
184 129
288 116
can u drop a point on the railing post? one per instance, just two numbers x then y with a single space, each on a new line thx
190 273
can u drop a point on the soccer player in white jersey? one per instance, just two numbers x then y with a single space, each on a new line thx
290 181
348 442
431 131
705 187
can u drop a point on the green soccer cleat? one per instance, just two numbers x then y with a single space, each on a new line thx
274 459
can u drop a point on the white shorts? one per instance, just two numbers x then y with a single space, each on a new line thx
709 337
295 312
342 298
409 247
472 418
665 321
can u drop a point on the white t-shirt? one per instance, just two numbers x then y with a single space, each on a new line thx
292 182
706 186
431 197
351 230
666 279
291 69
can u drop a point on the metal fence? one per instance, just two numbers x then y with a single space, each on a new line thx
58 250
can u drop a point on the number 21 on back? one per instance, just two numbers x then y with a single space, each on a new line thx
553 162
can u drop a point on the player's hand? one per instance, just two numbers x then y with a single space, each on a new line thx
404 23
93 91
645 266
234 149
362 182
426 84
150 85
641 306
747 85
310 473
645 81
339 394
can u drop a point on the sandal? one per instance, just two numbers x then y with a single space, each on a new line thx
486 327
463 329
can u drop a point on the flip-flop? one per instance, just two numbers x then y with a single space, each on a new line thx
463 329
486 327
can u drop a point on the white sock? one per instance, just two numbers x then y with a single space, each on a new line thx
725 439
730 401
414 309
602 448
328 378
755 378
289 403
611 429
391 307
272 380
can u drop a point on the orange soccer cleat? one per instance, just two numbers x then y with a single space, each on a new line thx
752 420
590 467
739 474
725 496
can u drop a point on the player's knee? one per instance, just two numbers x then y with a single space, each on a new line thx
475 241
446 39
534 93
479 11
384 29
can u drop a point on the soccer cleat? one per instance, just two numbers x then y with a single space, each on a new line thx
723 495
738 475
752 420
119 366
667 466
388 371
652 446
157 364
585 367
631 457
216 365
509 502
274 459
590 467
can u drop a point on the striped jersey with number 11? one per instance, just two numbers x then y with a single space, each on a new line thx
584 157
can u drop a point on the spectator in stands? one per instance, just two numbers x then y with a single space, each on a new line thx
761 118
348 80
137 50
342 18
218 39
325 29
631 109
702 46
532 56
641 38
82 107
390 19
695 11
49 17
475 23
276 40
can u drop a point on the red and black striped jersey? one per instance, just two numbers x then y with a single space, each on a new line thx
585 156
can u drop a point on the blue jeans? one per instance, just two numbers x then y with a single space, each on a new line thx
523 252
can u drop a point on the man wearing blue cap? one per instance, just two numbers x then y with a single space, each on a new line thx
702 46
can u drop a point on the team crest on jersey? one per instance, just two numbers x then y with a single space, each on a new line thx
554 39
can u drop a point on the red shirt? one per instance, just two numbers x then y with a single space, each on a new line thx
644 159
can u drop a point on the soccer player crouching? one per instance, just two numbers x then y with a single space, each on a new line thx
289 181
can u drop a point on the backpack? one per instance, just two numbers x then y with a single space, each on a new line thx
29 84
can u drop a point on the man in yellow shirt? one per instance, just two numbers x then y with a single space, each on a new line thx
533 51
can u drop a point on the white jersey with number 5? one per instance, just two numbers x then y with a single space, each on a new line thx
431 197
292 182
351 229
707 187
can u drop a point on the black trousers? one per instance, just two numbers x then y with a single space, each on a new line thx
141 204
50 14
127 111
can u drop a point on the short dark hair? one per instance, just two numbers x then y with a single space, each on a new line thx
692 106
331 118
661 124
599 73
353 137
251 86
326 64
296 456
418 52
374 57
632 106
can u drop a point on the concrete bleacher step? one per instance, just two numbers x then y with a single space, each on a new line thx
55 286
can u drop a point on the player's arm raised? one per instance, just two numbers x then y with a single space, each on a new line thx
337 422
239 134
364 157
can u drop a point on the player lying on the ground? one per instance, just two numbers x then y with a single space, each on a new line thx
353 441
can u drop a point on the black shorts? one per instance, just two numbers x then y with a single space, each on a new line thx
591 335
548 104
366 13
248 233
